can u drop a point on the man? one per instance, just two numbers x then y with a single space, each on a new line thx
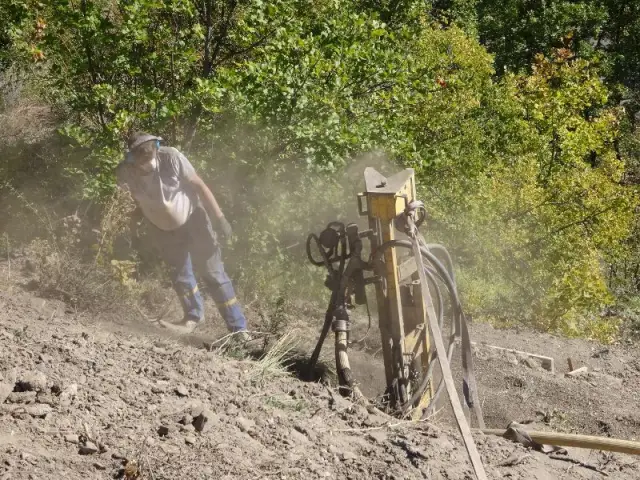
179 206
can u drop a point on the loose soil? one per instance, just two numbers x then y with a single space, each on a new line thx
89 398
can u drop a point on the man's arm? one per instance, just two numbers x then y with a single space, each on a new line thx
188 174
210 203
205 194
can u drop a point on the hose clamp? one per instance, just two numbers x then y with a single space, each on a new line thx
341 326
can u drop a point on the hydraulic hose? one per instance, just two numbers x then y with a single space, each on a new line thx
336 277
326 326
436 271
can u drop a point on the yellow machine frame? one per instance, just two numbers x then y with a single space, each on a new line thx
403 323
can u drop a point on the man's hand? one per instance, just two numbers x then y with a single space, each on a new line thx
225 228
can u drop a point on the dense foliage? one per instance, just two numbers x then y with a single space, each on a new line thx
526 159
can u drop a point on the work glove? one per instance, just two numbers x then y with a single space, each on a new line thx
225 228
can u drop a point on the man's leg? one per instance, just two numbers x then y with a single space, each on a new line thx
185 285
208 260
223 293
174 249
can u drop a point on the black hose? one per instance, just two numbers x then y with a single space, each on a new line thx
430 257
328 317
325 259
337 299
436 246
447 277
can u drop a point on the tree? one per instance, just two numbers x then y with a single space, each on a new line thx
517 30
548 211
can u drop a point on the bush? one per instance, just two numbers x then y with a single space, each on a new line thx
76 263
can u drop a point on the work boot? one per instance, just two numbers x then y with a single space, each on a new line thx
183 327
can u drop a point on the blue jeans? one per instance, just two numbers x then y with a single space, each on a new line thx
192 244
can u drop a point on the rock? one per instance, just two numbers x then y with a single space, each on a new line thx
205 420
89 448
187 428
293 457
512 359
47 399
99 466
5 391
31 382
531 363
182 391
22 397
39 410
314 466
308 432
375 421
72 438
44 358
346 456
186 419
195 408
118 456
27 457
298 438
207 472
158 389
245 425
160 351
378 436
169 449
190 440
232 410
339 403
68 394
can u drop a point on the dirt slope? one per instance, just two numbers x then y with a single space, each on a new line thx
82 399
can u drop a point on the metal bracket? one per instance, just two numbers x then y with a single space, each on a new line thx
361 210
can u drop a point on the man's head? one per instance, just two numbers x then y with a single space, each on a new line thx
143 147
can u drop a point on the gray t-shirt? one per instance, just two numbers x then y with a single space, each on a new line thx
163 194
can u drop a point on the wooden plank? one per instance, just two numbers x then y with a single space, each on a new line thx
577 372
425 344
394 303
547 363
579 441
381 299
407 268
463 425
